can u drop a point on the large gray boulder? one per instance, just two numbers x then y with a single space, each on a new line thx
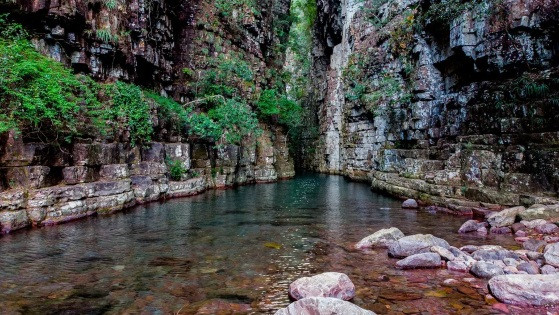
541 212
322 306
423 260
504 217
551 255
486 270
381 238
415 244
328 284
526 290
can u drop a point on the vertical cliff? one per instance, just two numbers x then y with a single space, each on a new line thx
444 101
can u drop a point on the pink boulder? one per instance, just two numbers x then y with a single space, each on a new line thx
328 284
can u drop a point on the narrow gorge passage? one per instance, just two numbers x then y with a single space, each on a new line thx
252 156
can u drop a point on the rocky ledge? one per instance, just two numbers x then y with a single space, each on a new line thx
100 178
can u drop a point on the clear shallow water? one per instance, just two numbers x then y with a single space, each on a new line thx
231 250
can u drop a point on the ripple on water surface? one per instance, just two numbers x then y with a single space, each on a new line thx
229 249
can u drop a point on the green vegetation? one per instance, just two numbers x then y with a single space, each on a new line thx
39 95
130 111
276 106
176 169
226 7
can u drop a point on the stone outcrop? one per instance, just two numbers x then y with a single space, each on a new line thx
420 111
329 284
99 178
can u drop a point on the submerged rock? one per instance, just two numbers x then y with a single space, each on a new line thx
322 306
328 284
504 217
410 204
415 244
526 290
423 260
381 238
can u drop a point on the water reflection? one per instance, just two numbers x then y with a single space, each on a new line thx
227 248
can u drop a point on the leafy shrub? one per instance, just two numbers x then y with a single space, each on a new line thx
176 169
272 104
39 95
131 111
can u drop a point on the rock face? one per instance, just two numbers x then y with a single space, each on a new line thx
322 306
381 238
440 135
415 244
108 177
526 290
423 260
328 284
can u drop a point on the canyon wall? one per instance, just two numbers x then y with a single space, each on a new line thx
454 104
162 46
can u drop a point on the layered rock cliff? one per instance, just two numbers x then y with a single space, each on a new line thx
164 46
450 102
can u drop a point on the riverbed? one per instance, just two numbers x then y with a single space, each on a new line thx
235 249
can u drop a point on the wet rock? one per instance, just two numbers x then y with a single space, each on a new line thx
551 239
526 290
410 204
548 228
520 233
13 220
381 238
457 265
551 254
529 267
328 284
471 226
500 230
423 260
482 231
486 270
415 244
504 217
446 254
548 269
534 245
322 306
